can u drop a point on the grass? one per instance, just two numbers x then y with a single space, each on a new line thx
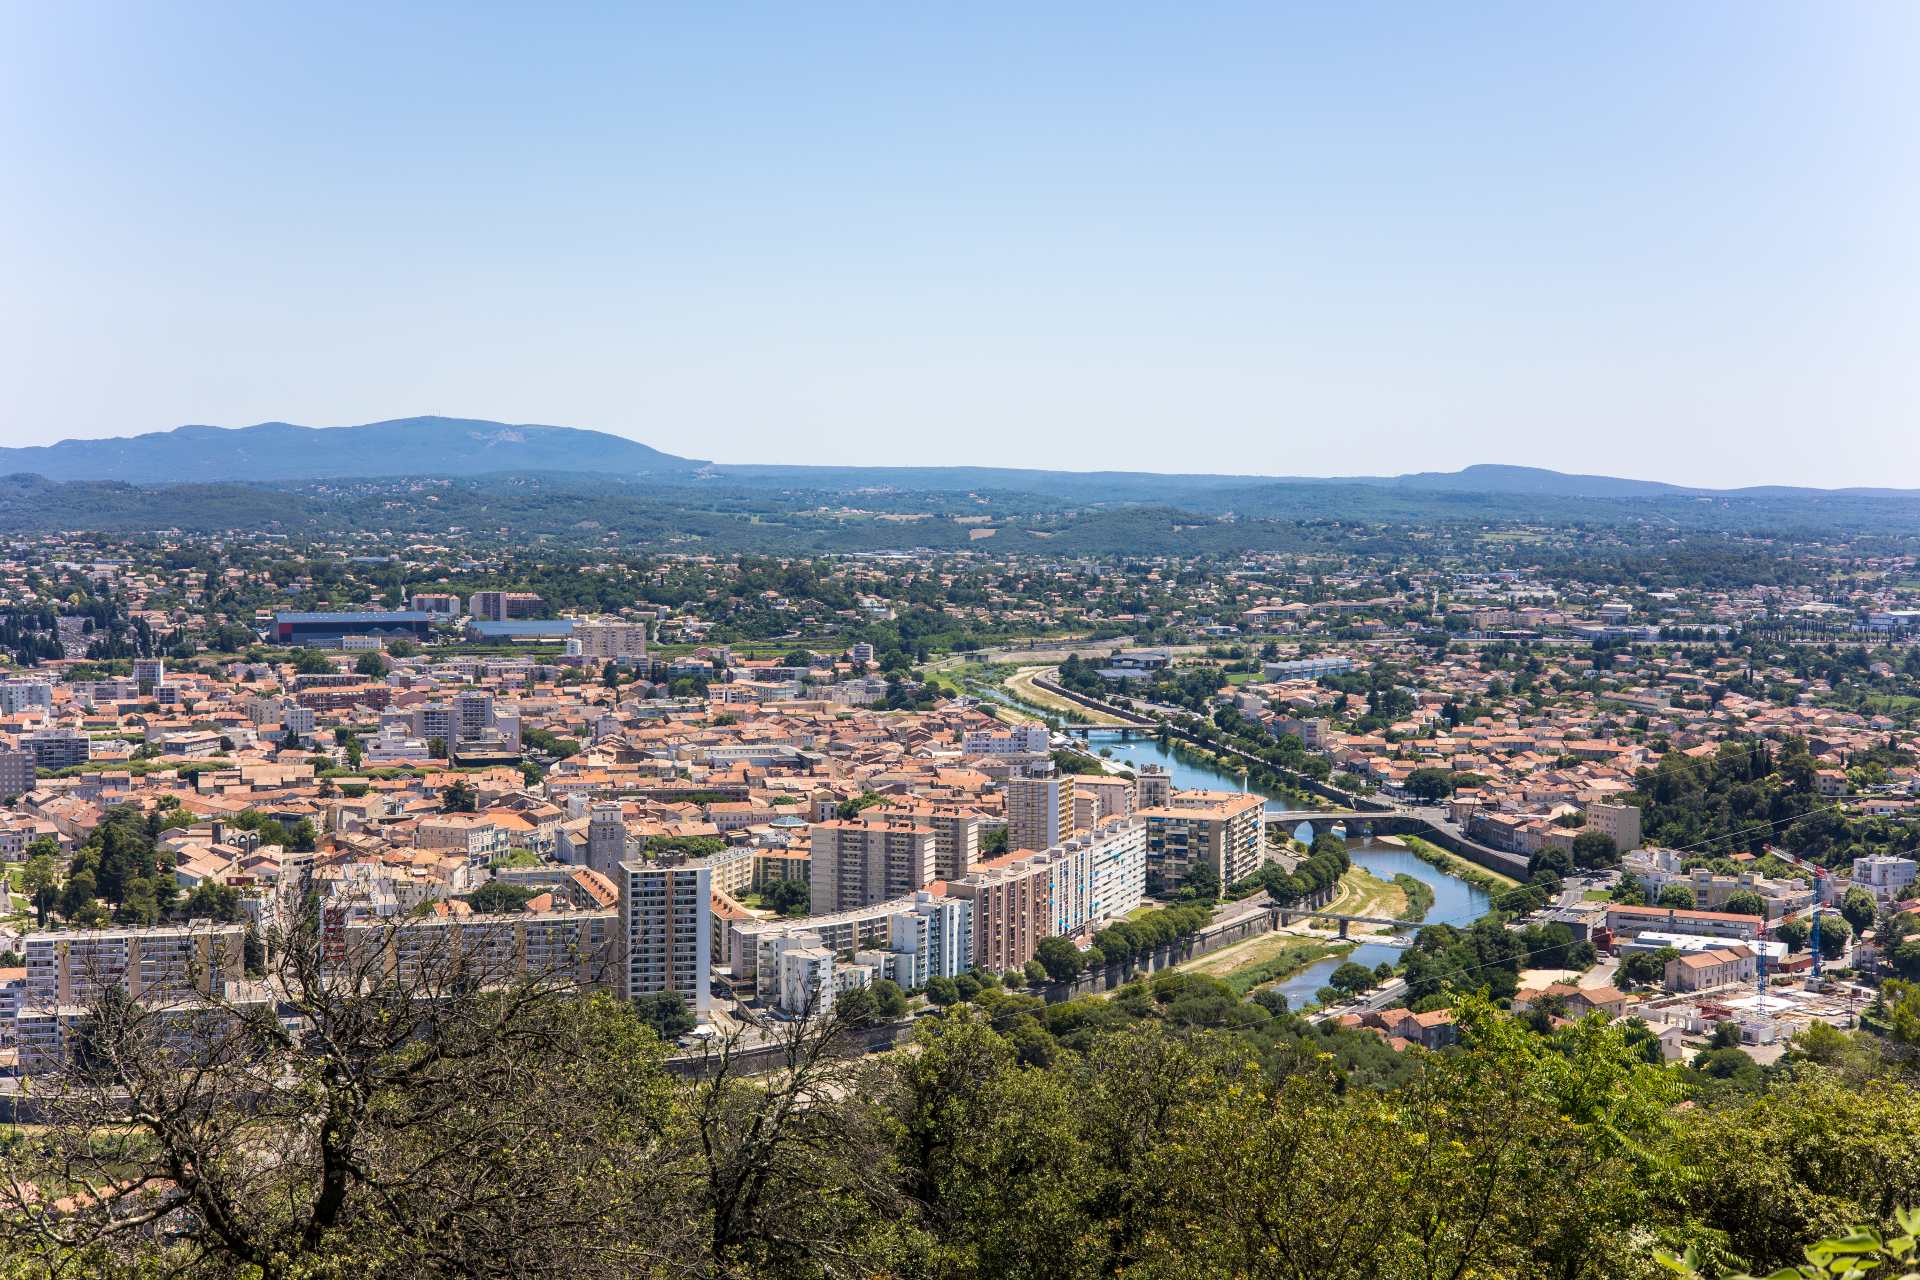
1454 865
1021 686
1364 894
1280 967
1419 896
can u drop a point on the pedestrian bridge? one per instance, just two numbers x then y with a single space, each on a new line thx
1287 915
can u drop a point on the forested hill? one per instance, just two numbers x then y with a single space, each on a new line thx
720 516
401 447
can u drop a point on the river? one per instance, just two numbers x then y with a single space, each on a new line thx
1455 901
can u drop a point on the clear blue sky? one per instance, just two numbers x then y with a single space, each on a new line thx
1671 240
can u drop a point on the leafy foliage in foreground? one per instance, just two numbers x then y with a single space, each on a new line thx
1171 1132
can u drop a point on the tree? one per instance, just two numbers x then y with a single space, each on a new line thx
311 662
788 897
1201 883
1859 908
1675 896
1429 784
40 876
1745 902
388 1156
1552 861
1793 932
437 747
666 1012
1835 934
1646 968
1351 978
941 992
372 664
889 1002
497 896
460 797
1060 958
1593 849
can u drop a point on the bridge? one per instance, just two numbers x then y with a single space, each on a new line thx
1358 826
1288 915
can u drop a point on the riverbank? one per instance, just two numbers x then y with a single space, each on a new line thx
1419 896
1362 893
1434 856
1021 685
1269 958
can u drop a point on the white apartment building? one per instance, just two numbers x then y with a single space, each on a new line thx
1885 875
612 640
1025 739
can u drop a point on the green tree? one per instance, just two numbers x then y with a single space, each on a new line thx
372 664
788 897
1645 968
1594 849
1060 958
1745 902
1859 908
1677 896
498 896
666 1012
1351 978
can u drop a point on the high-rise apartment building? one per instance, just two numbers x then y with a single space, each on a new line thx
58 748
611 639
75 967
666 913
1039 811
1619 823
148 673
938 933
1153 787
17 774
956 834
503 606
23 694
1097 799
860 861
1220 829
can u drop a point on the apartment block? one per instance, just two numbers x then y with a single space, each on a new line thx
612 640
956 835
1620 823
17 773
1220 829
74 968
57 748
1039 811
1028 739
666 913
1097 799
502 606
860 861
437 951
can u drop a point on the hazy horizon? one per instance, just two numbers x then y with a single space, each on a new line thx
1668 243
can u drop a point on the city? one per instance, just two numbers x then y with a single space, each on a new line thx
1153 642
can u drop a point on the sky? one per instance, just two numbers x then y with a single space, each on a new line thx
1671 241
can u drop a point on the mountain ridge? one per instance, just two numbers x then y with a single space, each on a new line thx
432 445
